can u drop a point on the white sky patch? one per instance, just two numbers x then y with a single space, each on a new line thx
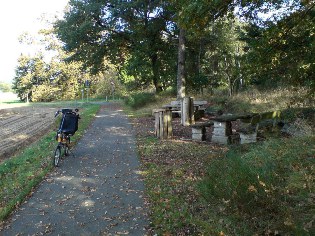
17 17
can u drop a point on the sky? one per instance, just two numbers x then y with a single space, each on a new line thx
17 17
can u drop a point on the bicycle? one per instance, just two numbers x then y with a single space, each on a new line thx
67 128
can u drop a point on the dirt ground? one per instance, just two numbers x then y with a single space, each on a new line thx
21 125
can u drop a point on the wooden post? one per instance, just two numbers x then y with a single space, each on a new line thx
168 130
157 124
187 111
163 123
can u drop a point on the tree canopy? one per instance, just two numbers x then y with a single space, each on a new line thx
142 37
46 78
139 43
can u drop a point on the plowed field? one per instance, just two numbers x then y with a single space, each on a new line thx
21 126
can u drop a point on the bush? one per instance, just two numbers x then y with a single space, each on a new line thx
44 93
254 100
137 100
109 86
265 189
5 87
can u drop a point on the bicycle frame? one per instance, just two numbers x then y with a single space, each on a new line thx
66 129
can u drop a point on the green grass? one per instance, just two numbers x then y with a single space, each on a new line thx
265 189
195 189
258 101
258 189
23 172
142 104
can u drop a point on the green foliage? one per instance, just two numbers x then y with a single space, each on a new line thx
108 85
222 50
5 87
262 100
31 71
40 80
291 114
282 52
222 53
44 93
139 99
264 188
134 41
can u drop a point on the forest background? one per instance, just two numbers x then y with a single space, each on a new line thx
144 49
153 46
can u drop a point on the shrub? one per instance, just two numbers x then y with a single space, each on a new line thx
254 100
137 100
265 189
45 93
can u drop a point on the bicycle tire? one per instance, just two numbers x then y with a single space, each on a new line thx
57 156
67 150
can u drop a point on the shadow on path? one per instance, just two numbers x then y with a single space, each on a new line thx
97 192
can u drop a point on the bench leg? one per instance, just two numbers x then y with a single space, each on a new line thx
221 132
199 134
248 138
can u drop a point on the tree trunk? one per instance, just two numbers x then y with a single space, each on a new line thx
156 74
199 64
181 80
229 77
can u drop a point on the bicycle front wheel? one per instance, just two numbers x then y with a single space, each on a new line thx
57 156
67 150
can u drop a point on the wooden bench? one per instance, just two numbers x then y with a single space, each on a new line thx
199 131
175 107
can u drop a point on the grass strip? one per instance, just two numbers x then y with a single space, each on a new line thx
20 174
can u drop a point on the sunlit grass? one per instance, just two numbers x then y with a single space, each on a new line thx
254 100
149 107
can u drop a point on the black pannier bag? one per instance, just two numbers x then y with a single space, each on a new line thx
69 123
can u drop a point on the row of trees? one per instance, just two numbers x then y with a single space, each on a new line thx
51 76
5 87
192 44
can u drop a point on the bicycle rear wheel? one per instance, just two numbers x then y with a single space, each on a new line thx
57 156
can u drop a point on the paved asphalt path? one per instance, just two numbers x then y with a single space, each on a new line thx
98 191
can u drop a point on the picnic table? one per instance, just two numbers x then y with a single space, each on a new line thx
176 105
222 133
222 129
188 109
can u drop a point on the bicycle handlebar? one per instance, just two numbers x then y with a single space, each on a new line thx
57 113
67 110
